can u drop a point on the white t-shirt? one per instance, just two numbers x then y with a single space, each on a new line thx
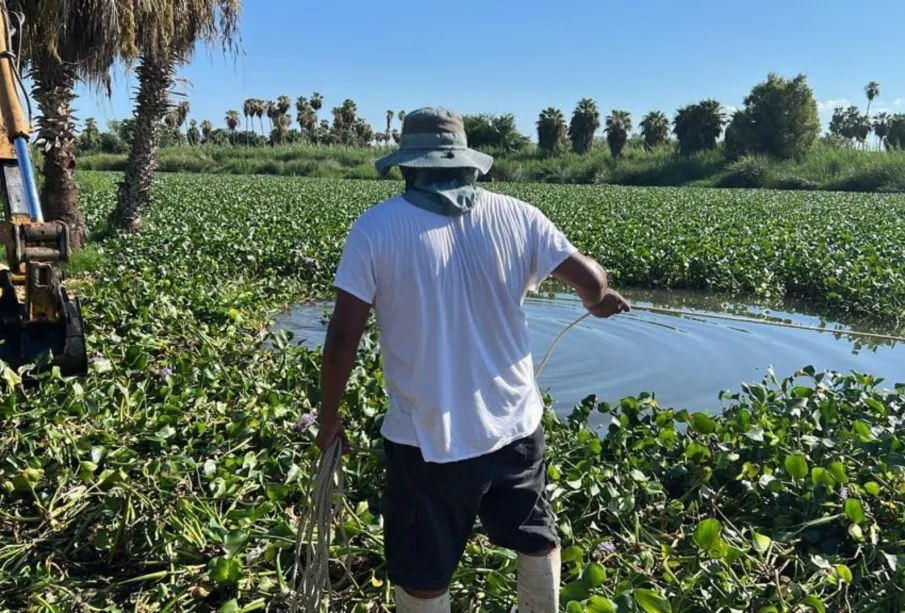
447 294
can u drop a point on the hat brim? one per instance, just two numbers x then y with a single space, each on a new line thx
435 158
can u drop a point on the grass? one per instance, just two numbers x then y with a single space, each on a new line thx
172 477
824 168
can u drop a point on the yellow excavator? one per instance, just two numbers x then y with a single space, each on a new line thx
40 321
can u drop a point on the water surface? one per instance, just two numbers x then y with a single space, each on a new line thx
685 360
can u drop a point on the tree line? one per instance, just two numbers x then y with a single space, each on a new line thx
779 119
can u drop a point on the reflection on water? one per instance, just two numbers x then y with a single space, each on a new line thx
685 360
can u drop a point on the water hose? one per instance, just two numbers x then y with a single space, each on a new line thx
725 317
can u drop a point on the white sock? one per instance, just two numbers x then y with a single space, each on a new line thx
538 583
406 603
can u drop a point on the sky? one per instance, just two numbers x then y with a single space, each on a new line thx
499 56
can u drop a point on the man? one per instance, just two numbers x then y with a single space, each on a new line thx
446 267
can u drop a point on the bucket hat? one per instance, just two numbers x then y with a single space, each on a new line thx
434 137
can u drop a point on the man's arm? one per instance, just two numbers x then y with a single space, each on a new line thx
589 280
350 316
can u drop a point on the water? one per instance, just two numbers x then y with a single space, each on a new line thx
686 361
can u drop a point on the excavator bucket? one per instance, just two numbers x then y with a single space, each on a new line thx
40 321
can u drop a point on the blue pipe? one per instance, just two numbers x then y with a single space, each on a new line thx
28 180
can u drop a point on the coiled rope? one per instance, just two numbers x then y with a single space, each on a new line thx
317 519
314 528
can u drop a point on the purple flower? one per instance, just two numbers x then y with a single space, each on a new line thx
164 374
606 547
843 493
305 422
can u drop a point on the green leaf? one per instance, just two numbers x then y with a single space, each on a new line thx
652 602
796 465
696 451
599 604
768 609
855 532
854 510
594 575
820 476
225 571
844 572
837 469
572 554
762 542
276 492
707 534
574 591
234 542
230 606
815 602
574 607
625 603
210 469
872 488
702 423
755 434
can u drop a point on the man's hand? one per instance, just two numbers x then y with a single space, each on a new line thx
329 432
611 304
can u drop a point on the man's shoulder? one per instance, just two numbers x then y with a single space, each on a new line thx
377 213
510 204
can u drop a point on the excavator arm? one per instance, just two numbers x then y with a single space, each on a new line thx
39 318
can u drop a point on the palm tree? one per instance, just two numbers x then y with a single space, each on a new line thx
193 134
552 131
301 111
401 116
167 33
317 103
364 134
872 90
182 113
338 123
654 129
270 108
207 130
881 127
64 43
390 116
248 109
260 110
232 120
698 126
283 104
585 123
618 125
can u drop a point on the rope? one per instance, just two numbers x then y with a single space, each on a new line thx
736 318
316 522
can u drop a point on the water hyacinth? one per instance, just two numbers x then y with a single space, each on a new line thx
114 496
305 422
163 375
606 548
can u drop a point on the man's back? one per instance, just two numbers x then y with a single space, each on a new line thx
447 292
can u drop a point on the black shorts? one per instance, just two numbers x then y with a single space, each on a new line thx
429 509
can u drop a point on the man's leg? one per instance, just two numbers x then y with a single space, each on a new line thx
517 515
538 581
429 511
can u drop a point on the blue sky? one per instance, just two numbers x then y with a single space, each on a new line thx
520 57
